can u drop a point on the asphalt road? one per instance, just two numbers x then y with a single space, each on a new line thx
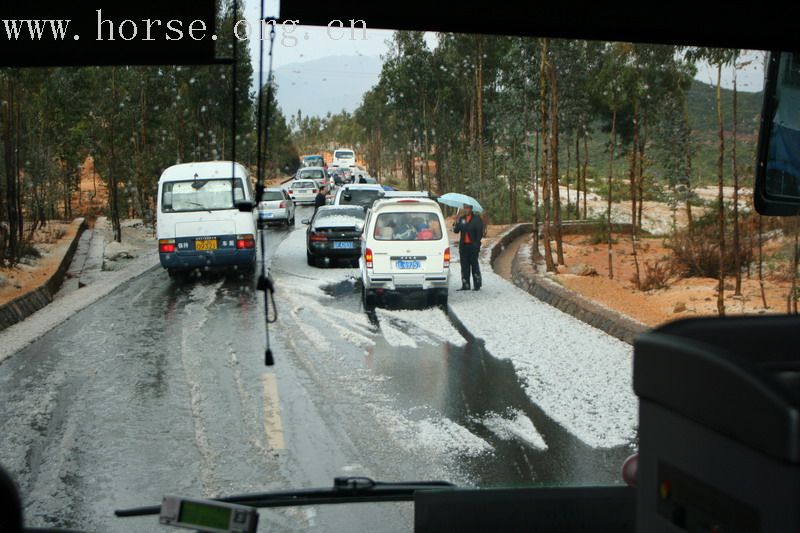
160 388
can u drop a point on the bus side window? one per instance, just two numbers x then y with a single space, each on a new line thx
166 202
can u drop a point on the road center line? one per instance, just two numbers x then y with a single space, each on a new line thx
273 426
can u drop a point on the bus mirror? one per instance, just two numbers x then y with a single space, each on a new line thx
777 187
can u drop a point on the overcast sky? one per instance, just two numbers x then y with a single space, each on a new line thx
306 43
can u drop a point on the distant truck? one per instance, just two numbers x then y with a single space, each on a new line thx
314 161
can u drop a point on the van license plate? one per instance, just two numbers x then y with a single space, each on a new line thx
343 245
409 265
202 246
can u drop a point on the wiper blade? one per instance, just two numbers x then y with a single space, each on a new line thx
344 490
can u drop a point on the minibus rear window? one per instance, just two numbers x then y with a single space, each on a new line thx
200 195
408 227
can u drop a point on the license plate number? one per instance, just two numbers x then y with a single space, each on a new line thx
205 245
409 265
269 215
343 245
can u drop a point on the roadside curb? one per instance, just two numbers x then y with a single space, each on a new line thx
20 335
25 305
525 276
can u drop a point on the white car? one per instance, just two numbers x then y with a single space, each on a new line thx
358 194
303 191
318 174
276 207
404 248
344 157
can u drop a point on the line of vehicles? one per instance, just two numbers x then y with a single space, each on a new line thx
398 239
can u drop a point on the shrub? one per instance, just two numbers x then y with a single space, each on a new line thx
656 275
696 253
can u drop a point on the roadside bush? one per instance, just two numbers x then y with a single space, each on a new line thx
29 250
696 253
656 275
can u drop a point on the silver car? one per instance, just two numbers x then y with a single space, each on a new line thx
275 208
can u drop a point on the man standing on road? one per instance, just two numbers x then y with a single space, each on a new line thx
320 199
470 226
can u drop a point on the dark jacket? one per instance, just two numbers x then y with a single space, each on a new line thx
473 228
319 201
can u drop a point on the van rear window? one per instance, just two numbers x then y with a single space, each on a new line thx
200 195
408 227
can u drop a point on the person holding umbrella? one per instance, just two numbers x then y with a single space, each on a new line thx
470 228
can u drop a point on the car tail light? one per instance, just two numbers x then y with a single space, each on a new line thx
166 246
282 206
291 191
318 237
368 257
407 201
245 241
447 257
314 191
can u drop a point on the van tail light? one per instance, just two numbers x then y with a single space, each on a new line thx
166 246
447 257
246 241
282 206
317 237
368 257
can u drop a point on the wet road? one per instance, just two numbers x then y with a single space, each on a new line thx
160 388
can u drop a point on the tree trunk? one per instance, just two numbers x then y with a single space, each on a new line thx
721 198
548 253
479 110
761 261
633 183
610 178
585 169
554 123
577 176
736 254
12 237
112 179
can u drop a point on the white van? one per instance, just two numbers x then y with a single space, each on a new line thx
344 157
404 248
199 225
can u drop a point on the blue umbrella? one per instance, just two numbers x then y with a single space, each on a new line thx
454 199
388 188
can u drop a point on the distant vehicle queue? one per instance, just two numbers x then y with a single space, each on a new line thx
207 220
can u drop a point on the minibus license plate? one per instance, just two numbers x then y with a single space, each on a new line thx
209 244
409 265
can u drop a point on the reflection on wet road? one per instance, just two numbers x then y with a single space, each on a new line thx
160 388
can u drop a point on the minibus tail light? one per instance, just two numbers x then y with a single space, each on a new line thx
447 257
368 257
246 241
166 246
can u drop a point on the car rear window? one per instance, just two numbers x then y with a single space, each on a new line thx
271 196
304 185
359 197
313 174
408 227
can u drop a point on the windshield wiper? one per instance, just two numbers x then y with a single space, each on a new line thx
201 206
344 490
